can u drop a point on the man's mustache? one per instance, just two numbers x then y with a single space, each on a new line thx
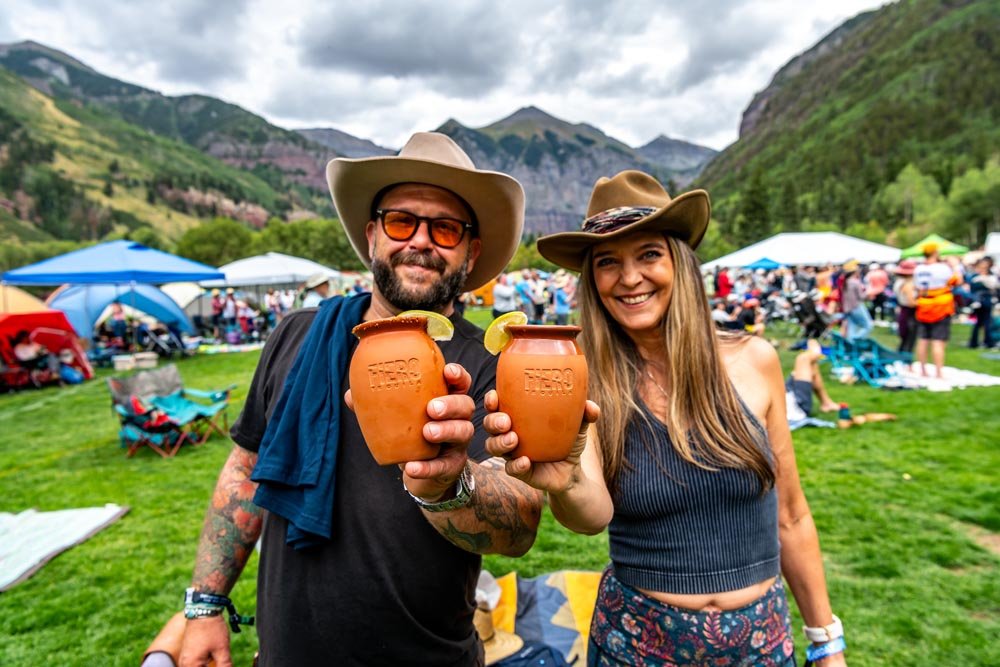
416 258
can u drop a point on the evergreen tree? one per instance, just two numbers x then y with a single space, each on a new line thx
756 223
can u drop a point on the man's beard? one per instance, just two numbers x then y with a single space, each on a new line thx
435 297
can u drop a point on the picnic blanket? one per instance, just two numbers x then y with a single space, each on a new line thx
909 377
552 609
31 539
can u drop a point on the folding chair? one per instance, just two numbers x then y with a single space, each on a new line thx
163 389
866 358
142 425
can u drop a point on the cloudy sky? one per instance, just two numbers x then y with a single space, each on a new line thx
381 69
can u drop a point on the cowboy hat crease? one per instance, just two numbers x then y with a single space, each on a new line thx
684 217
434 159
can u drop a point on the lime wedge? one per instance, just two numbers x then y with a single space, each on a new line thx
439 327
497 337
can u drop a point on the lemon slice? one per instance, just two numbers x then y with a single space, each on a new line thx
497 337
439 327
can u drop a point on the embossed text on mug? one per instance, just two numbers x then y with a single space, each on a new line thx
548 381
394 374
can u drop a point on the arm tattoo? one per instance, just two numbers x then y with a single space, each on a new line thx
502 517
232 526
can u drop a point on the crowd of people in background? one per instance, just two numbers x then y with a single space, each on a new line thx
918 299
546 298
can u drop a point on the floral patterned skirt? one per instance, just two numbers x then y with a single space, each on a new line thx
630 628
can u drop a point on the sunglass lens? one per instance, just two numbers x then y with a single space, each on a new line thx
447 233
399 225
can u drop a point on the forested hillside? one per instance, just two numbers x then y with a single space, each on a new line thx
888 128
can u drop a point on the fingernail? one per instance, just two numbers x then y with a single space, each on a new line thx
434 430
437 407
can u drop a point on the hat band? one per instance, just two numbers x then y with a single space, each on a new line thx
612 219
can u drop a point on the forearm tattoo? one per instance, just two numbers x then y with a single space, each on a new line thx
502 517
232 526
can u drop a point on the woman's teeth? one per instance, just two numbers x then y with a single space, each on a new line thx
632 300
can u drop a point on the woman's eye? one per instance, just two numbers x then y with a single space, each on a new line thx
652 254
604 262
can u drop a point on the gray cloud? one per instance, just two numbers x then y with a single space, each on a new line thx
462 49
185 41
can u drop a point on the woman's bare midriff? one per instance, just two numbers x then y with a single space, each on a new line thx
726 601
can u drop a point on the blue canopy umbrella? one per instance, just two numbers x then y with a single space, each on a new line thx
110 263
83 305
763 263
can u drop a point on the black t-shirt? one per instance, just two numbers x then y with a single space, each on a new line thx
387 589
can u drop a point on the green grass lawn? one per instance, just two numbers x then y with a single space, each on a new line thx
906 512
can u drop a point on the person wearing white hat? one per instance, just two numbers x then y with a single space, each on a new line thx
318 288
362 564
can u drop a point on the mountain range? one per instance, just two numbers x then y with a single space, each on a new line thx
887 128
556 161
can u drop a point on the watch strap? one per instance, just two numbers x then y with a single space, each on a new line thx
825 633
464 486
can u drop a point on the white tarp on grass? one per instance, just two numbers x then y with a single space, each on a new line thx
809 248
31 539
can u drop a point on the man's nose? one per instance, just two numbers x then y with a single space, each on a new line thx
422 237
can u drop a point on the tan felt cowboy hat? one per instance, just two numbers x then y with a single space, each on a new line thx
629 202
432 158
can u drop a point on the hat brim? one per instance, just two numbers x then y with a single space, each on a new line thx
685 218
501 645
497 199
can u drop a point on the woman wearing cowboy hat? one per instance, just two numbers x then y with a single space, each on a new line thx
691 465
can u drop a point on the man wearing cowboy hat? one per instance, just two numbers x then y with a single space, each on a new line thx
362 564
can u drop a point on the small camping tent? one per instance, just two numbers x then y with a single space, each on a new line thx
84 305
945 247
764 263
47 327
14 300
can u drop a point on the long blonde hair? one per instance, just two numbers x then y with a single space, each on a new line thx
705 419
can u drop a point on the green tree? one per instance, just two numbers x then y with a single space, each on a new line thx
756 223
787 212
714 244
974 204
912 199
322 240
217 242
528 257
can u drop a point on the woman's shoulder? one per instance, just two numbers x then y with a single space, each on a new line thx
745 353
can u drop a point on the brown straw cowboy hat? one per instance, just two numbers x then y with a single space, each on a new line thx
631 201
432 158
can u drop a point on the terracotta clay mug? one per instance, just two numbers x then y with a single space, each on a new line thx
542 386
395 371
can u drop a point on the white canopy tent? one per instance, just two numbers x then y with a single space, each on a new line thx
272 268
992 247
808 248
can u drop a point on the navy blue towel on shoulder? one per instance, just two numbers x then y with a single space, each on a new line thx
297 460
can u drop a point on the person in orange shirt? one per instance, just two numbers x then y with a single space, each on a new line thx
935 281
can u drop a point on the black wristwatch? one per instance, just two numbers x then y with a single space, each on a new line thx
465 485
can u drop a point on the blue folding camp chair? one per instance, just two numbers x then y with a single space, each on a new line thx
867 359
197 412
145 426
